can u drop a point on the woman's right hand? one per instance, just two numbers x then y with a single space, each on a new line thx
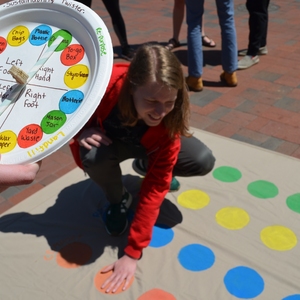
93 137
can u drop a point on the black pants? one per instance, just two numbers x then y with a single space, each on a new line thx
258 24
113 8
103 164
86 2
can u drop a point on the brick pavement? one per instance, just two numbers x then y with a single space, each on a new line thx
263 110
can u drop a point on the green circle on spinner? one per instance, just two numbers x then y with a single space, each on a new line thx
293 202
53 121
227 174
67 38
263 189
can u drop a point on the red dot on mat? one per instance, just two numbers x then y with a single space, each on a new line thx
101 277
156 294
74 255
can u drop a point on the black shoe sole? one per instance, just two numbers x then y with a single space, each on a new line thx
117 233
137 170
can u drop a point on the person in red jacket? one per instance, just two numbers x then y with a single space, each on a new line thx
144 115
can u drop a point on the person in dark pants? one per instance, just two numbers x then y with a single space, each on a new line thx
143 115
258 28
113 8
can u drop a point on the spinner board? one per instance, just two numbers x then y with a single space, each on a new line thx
65 50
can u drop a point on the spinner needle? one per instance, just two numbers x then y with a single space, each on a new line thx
23 78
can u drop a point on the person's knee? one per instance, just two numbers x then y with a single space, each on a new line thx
89 158
205 162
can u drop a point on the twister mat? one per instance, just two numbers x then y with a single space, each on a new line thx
232 234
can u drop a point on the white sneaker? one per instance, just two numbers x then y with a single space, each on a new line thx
261 51
247 62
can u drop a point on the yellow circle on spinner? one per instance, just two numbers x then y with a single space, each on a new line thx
232 218
193 199
76 76
278 238
8 141
18 36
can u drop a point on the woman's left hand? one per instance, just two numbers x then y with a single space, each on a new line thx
123 269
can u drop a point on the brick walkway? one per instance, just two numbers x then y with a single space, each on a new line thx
263 110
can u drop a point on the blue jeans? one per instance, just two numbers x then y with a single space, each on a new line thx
194 13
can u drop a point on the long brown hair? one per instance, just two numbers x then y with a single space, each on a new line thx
153 62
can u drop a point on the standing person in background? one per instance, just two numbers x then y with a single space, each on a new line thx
113 8
12 175
144 114
258 29
194 14
177 20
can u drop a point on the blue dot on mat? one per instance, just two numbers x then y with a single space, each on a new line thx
292 297
243 282
161 236
196 257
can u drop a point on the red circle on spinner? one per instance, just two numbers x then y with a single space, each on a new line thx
3 44
72 55
29 135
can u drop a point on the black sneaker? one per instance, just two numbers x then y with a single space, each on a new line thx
116 221
139 167
128 53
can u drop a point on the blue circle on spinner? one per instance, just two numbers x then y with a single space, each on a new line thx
196 257
292 297
40 35
243 282
70 101
161 236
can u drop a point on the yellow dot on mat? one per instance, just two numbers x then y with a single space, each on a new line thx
193 199
278 238
232 218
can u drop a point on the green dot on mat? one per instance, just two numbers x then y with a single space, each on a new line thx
227 174
293 202
263 189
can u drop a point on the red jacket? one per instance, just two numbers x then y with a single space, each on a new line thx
162 153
